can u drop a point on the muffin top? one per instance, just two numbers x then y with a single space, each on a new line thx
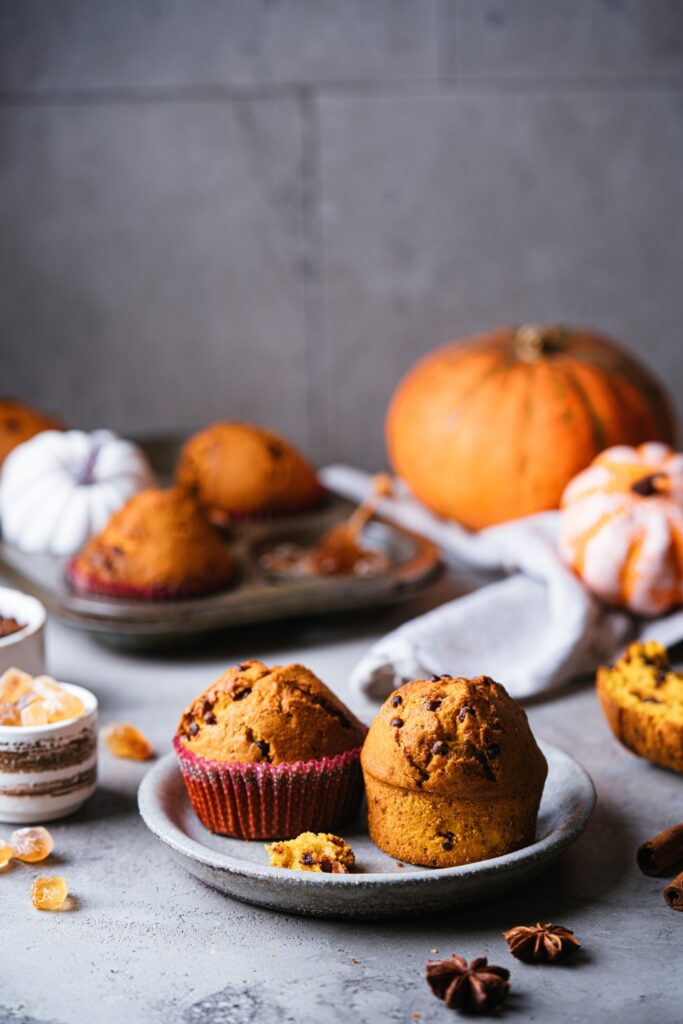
158 539
454 736
19 423
237 469
258 714
643 680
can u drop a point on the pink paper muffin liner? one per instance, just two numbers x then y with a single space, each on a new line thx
264 801
88 583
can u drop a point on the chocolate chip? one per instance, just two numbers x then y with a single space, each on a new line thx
661 676
465 711
326 866
648 486
440 748
210 718
307 858
650 700
194 729
447 845
435 679
397 722
432 705
243 666
396 700
263 747
493 750
241 694
275 450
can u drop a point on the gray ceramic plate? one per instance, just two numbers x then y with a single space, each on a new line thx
380 888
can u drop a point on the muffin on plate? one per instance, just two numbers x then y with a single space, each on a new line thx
19 423
452 773
157 547
642 698
269 753
240 470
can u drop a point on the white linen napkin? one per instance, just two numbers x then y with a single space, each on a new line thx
533 630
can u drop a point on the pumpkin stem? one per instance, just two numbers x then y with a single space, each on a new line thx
654 484
531 341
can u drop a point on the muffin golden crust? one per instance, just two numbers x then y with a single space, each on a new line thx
313 851
240 469
256 714
452 772
19 423
157 546
642 698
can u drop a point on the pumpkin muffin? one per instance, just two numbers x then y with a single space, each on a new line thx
642 698
452 773
268 753
157 547
240 470
313 851
19 423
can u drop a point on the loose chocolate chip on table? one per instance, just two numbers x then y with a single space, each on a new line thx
432 705
396 700
194 728
440 747
397 722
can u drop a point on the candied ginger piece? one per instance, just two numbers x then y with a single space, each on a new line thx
60 704
14 684
35 713
5 854
125 740
49 893
9 714
31 844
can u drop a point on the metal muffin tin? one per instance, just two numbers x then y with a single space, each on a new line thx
255 596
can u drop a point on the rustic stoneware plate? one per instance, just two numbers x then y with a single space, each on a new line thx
379 888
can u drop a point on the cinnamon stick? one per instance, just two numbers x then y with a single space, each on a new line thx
673 894
662 853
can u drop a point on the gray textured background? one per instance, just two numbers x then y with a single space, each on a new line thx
269 209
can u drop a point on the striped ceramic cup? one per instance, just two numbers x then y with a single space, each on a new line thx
48 771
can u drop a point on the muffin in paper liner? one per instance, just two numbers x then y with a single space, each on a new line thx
264 801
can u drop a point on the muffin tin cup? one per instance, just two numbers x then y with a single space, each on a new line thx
264 801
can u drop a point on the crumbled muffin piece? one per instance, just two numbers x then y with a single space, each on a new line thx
642 698
313 851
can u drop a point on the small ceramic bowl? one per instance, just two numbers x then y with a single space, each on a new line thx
26 648
49 771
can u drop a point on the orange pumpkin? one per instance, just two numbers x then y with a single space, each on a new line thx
622 527
495 426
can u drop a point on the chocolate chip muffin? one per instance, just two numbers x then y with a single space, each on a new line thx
157 547
270 753
452 773
240 470
642 698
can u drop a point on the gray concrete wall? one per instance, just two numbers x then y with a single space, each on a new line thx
269 209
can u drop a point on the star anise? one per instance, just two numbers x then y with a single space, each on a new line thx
477 988
541 943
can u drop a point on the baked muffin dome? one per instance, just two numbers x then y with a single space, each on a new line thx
642 698
256 714
452 773
19 423
158 546
239 469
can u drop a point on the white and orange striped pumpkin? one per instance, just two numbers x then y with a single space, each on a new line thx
622 527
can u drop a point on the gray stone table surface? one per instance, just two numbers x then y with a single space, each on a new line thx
148 943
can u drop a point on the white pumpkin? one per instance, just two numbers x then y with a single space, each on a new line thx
622 527
61 487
